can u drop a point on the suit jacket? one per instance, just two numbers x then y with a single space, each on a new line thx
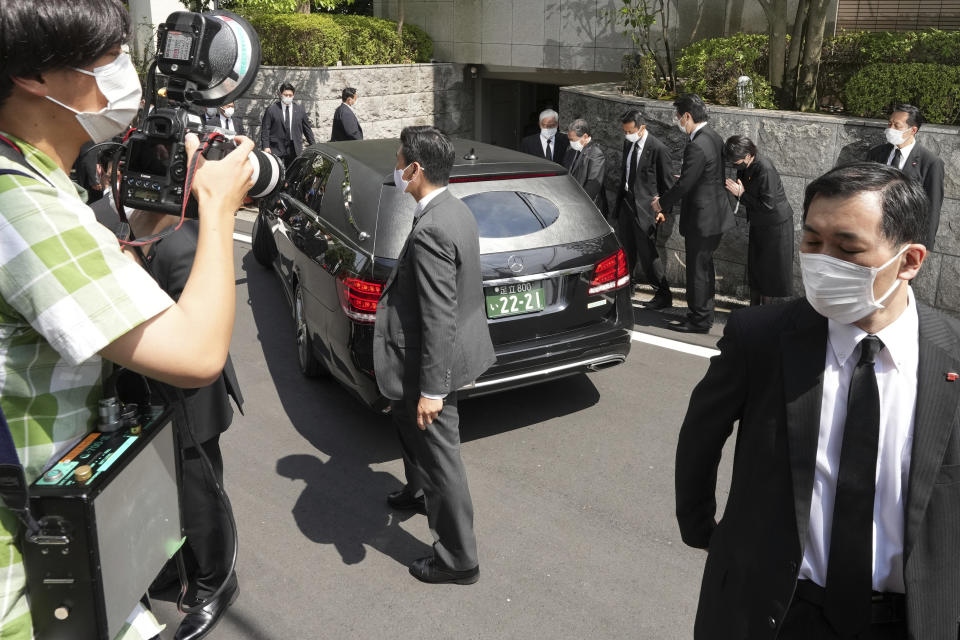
345 125
588 168
237 123
706 208
652 176
431 330
274 134
532 145
769 377
921 165
169 261
763 195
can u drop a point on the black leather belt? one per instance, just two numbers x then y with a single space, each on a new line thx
886 607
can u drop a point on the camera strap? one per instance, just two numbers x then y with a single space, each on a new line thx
13 481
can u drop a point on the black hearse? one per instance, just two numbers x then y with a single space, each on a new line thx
555 278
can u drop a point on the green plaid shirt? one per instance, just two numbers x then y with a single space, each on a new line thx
66 292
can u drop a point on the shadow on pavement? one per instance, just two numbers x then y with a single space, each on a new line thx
344 503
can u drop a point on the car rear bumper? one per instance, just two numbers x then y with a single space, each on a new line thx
535 364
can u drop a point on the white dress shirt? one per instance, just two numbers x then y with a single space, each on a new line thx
697 128
632 161
904 152
421 205
896 369
227 123
553 145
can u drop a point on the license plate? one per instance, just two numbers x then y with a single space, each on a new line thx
514 299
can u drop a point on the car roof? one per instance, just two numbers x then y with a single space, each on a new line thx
379 156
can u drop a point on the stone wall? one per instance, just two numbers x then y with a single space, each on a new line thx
391 97
802 146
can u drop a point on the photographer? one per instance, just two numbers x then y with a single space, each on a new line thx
68 295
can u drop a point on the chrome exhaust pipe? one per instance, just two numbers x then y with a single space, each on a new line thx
606 364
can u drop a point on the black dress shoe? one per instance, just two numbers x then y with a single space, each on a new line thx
405 500
686 327
197 625
658 302
431 570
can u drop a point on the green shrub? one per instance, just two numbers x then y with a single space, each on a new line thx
640 76
845 54
934 88
319 40
711 68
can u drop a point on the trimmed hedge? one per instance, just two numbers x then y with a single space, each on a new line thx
321 39
847 53
933 88
711 68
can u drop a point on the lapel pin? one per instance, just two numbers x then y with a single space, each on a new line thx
952 377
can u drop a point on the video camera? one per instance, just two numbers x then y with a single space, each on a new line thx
209 60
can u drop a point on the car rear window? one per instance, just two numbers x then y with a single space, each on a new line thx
505 214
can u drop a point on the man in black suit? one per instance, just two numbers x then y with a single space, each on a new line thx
345 123
285 125
587 163
705 213
431 338
547 144
841 518
902 151
206 412
645 171
224 118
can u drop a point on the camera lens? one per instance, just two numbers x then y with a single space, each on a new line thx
267 174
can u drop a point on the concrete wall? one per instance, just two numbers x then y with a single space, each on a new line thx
802 146
391 97
571 35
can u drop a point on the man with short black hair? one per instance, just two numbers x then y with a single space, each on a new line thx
705 213
430 339
285 125
224 119
345 123
841 517
646 170
547 144
69 298
902 151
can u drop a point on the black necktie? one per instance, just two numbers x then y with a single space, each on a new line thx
847 601
631 162
897 156
289 121
227 121
549 155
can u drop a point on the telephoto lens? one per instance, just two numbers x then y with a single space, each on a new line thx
267 174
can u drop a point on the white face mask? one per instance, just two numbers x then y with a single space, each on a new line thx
548 133
287 101
633 137
895 136
680 125
576 145
120 85
228 112
398 178
211 111
841 290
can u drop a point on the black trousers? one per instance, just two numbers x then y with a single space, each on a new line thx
638 235
206 522
432 462
701 278
805 621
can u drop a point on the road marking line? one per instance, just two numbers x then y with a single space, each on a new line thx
676 345
243 237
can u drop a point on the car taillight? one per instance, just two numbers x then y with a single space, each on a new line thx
359 298
610 274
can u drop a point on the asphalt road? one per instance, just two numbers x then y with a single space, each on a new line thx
572 483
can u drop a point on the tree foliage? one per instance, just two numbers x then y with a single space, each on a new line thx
637 19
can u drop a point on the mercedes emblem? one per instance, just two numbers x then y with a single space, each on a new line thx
515 264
